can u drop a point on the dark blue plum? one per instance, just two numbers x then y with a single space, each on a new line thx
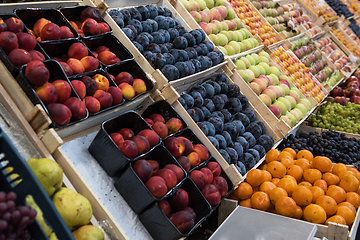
234 105
224 88
249 160
243 118
255 154
266 141
167 12
205 49
225 155
166 35
221 55
225 98
261 150
198 99
189 100
190 39
243 143
181 30
219 102
218 114
197 65
214 58
209 45
133 29
218 124
182 102
153 24
241 167
216 86
176 54
183 69
193 114
232 153
138 46
203 35
197 35
244 100
191 67
119 21
206 112
250 139
171 22
170 72
152 10
135 14
137 24
200 89
227 137
129 33
145 13
148 55
250 113
169 46
222 78
238 148
177 22
143 41
154 48
232 130
183 56
254 129
180 42
203 127
173 34
210 127
208 103
239 126
191 52
115 13
200 113
163 49
159 61
199 50
210 91
126 15
206 62
149 36
159 37
262 125
234 90
162 22
147 27
222 142
161 10
214 141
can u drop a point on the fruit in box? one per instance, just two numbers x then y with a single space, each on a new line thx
88 232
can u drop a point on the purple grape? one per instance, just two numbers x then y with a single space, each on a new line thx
24 221
7 216
11 196
15 216
2 197
32 213
3 207
3 224
10 205
24 210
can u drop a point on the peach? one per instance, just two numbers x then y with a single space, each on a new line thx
179 200
77 107
80 32
3 26
188 145
36 55
177 170
108 58
117 138
198 178
104 98
169 176
142 144
155 166
102 82
60 113
143 169
36 73
208 175
66 68
26 41
66 32
215 168
184 162
194 159
151 136
95 54
64 58
57 59
157 118
149 122
127 133
90 84
221 184
175 146
90 63
156 186
63 89
74 25
183 221
174 125
14 25
19 57
124 77
212 194
116 95
77 50
190 210
202 151
78 23
75 65
161 129
47 93
92 104
101 48
104 27
31 32
139 86
127 90
79 87
112 77
50 31
91 12
8 41
129 149
39 24
90 27
165 207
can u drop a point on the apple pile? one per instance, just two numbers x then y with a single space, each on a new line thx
132 145
18 45
349 92
129 86
187 154
210 183
45 30
164 128
56 95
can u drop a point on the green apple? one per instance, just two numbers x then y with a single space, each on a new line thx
292 118
225 27
243 32
291 100
275 71
238 23
251 59
240 65
223 40
202 4
247 44
264 54
276 79
307 102
209 4
255 70
256 57
231 14
250 74
286 102
214 39
186 4
229 49
223 50
236 46
286 88
264 59
300 112
266 67
239 36
244 75
246 61
296 91
227 34
287 120
261 69
282 107
265 99
234 36
241 46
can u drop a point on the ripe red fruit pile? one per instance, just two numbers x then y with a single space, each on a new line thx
162 128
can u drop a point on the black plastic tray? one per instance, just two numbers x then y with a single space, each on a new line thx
56 73
103 148
134 191
161 228
30 15
135 70
112 43
29 185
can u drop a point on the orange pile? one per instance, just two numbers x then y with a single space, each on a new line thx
349 45
301 186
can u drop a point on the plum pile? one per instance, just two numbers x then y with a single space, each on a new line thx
166 44
224 116
340 8
332 144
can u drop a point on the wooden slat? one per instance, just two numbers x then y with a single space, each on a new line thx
51 140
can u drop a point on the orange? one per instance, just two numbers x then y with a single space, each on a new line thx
311 175
266 175
303 163
285 154
315 214
244 191
287 161
288 184
260 201
331 179
302 196
346 213
316 192
349 205
275 181
256 189
349 183
263 166
295 171
354 170
353 198
346 172
323 164
272 155
290 150
337 193
254 177
291 177
336 219
305 154
298 213
322 184
285 206
267 187
277 169
338 168
276 193
305 183
245 203
328 204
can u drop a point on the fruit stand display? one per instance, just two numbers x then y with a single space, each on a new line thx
319 10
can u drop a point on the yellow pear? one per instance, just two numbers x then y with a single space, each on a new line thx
39 216
48 172
73 207
88 232
53 236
